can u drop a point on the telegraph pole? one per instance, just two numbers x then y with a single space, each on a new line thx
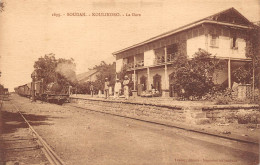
33 76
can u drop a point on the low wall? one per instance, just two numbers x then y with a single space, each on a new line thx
186 114
240 115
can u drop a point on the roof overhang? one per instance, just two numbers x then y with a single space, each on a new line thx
179 30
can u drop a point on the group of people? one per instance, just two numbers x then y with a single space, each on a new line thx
117 88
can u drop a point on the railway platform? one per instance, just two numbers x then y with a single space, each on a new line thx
168 102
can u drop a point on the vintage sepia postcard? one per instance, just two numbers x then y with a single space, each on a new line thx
129 82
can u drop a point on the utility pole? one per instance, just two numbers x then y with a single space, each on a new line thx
253 90
33 76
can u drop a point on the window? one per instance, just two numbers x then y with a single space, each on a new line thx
172 50
214 41
234 43
159 55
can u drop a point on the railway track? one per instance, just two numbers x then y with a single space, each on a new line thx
165 124
96 108
52 157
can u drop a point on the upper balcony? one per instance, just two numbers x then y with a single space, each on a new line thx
139 64
157 61
161 59
151 58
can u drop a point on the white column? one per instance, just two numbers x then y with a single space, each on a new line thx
134 72
229 73
165 69
206 41
148 79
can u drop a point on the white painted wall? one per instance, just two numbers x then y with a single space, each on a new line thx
241 51
193 44
224 48
153 72
149 57
119 65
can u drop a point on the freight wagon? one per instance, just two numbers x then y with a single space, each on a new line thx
24 90
4 94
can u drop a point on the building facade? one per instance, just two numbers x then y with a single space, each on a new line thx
224 35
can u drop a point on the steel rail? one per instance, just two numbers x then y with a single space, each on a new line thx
52 157
170 125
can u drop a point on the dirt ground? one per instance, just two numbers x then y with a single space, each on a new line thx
249 130
84 137
17 144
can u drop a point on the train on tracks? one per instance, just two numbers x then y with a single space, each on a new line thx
4 93
52 93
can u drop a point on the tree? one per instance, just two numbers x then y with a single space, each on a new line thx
253 51
194 77
50 69
105 71
243 74
83 88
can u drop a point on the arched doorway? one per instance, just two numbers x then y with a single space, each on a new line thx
171 85
157 83
142 86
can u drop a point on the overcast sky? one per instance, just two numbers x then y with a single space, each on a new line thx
28 30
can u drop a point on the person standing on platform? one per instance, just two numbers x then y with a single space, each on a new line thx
91 88
117 89
106 88
126 87
110 91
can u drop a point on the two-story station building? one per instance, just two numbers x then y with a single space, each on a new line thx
223 35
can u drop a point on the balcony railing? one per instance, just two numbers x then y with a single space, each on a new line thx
161 59
139 63
172 56
158 60
131 65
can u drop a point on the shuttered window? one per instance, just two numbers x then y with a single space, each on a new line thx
233 43
214 40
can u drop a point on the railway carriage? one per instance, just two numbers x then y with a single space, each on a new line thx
21 90
24 90
28 89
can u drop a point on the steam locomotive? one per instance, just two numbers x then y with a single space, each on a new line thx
52 93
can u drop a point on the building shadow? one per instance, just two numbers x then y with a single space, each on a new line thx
12 121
